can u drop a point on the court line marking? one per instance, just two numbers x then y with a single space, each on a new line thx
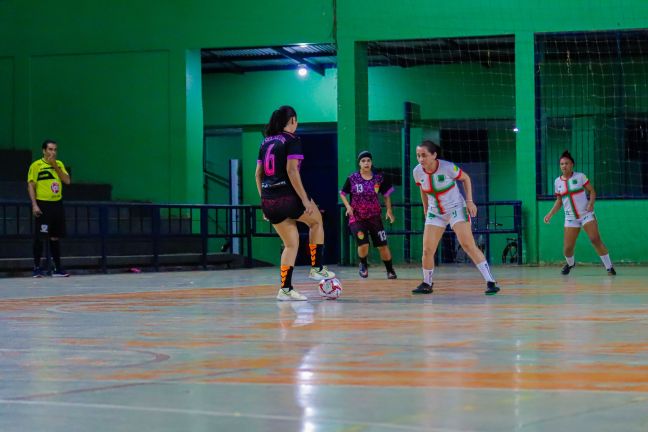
225 414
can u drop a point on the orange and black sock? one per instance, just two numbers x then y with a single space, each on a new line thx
316 251
286 276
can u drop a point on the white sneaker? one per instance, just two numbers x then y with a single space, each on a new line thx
290 295
319 275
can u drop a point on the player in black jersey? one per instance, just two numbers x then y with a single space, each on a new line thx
284 200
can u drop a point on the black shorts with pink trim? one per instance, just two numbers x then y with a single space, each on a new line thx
279 208
364 228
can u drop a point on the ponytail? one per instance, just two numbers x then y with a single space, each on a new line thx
567 155
278 120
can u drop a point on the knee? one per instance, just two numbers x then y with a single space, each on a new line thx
428 252
596 240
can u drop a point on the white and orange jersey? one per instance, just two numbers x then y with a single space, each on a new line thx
572 192
440 186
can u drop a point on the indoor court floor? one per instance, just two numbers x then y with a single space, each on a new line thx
214 351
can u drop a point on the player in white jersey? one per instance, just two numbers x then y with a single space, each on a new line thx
571 190
443 204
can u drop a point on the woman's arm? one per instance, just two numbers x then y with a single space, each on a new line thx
592 196
345 201
553 210
470 204
424 201
258 173
292 168
388 206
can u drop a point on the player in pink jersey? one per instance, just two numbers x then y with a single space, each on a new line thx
365 214
443 204
571 190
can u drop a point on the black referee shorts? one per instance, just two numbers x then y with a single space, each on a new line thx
52 222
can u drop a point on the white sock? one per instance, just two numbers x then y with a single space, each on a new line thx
606 261
427 276
571 262
485 271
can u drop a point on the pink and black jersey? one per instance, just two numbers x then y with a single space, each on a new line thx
364 194
274 154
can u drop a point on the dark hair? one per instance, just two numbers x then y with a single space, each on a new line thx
432 147
566 155
48 141
364 154
278 120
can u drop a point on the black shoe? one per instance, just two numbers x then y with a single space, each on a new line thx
491 288
391 275
611 271
363 271
423 289
566 269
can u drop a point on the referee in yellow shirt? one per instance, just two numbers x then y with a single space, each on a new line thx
44 184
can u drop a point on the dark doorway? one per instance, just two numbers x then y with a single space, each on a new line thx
319 173
468 149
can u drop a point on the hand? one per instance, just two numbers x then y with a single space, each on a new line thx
36 210
472 208
309 207
589 207
547 218
51 161
390 216
349 211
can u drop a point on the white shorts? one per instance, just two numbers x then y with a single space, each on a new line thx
577 223
460 214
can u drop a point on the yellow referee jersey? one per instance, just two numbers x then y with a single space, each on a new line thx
49 186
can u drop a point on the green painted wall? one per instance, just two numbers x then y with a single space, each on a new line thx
112 80
125 82
101 146
622 227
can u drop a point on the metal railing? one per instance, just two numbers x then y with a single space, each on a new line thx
487 223
152 223
155 223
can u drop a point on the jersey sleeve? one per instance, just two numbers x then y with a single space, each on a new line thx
346 189
386 187
453 171
62 166
32 174
585 180
294 149
260 156
556 193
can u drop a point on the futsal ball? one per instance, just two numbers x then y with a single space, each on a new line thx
330 289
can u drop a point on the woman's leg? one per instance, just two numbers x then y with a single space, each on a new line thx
467 242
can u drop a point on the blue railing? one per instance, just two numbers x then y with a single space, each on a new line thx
494 217
154 224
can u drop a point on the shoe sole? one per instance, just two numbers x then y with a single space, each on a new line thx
55 275
422 292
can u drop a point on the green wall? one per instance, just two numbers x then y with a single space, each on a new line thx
118 81
6 101
122 81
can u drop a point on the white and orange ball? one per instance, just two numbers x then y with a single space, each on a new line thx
330 289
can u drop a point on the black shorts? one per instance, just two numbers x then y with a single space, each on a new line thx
373 227
52 222
278 209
